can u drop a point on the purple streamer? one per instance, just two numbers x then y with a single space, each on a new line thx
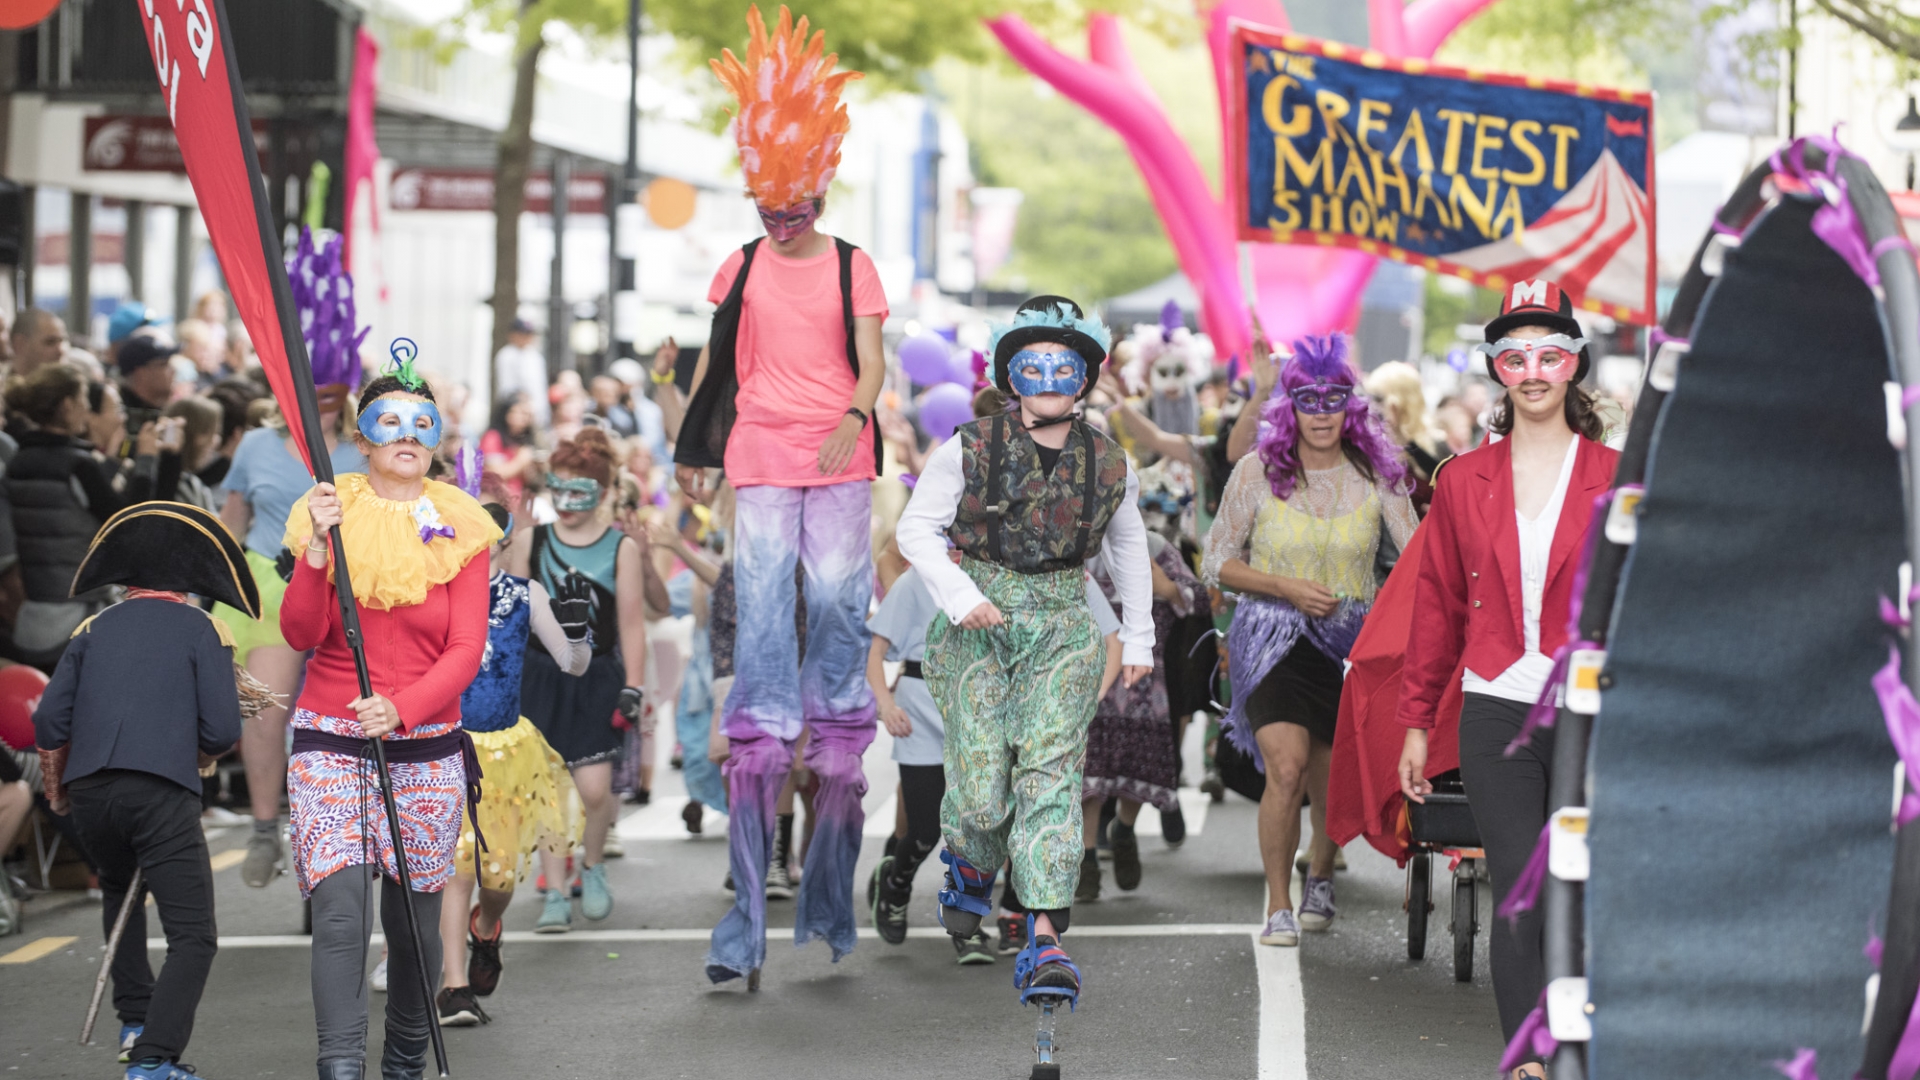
1890 614
1803 1065
467 469
1874 947
1526 888
1902 713
1906 1054
1835 223
1547 709
1533 1038
909 479
1908 397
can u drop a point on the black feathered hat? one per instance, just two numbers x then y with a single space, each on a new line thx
1050 319
173 547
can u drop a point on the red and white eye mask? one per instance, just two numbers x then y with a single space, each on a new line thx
1553 358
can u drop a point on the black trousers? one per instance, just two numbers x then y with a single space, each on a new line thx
1508 796
921 789
138 820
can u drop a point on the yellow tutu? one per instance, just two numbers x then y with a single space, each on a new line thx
527 806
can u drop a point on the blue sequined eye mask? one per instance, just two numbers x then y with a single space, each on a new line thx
573 494
406 423
1063 372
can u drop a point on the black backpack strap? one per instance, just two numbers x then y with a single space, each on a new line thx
996 506
1086 491
846 251
735 294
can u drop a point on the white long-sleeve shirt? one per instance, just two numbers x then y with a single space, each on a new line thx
922 536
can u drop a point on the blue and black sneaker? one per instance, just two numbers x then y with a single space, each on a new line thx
160 1069
1043 969
129 1034
968 897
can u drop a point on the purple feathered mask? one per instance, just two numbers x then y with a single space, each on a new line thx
1322 359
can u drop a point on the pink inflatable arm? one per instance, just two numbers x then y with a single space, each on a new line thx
1180 191
1430 22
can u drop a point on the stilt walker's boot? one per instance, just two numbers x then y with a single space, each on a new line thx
342 1069
968 897
779 880
1044 970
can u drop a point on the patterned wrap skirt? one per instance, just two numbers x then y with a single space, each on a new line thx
527 806
339 819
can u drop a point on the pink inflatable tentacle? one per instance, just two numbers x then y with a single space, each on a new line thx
1268 13
1430 22
1388 18
1171 171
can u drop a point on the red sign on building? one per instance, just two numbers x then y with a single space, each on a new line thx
122 143
472 189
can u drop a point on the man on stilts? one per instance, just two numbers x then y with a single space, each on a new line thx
1014 660
783 400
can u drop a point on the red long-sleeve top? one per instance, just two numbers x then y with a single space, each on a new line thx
420 657
1467 605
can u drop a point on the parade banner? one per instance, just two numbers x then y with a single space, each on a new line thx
200 85
1491 178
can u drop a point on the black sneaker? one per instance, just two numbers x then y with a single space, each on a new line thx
889 905
459 1009
483 958
973 950
1013 934
1173 827
1089 887
1126 857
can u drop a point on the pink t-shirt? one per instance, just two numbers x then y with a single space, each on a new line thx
791 360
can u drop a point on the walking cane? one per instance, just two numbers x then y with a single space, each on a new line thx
113 947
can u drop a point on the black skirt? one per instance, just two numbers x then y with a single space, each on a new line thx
1303 688
574 713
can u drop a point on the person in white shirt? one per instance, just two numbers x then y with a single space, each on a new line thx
519 367
1014 660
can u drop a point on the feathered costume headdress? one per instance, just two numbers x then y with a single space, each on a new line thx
1170 335
790 123
323 293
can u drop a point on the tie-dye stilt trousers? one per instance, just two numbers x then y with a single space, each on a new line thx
1017 700
776 694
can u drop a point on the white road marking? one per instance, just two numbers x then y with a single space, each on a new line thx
527 937
1283 1007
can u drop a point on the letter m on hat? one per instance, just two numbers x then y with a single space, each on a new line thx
1529 294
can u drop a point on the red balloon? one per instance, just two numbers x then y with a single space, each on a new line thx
20 14
20 690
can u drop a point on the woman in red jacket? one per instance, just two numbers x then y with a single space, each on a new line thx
417 552
1496 580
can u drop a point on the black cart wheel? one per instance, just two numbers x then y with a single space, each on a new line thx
1419 902
1466 915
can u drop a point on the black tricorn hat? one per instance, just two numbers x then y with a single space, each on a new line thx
170 546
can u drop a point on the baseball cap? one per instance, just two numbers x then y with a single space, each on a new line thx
137 352
521 326
131 315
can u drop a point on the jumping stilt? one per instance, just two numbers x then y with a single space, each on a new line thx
1044 1067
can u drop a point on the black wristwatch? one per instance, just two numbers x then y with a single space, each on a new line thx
854 410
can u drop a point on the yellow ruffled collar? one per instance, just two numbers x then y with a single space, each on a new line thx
392 565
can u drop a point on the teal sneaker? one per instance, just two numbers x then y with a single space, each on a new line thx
556 917
596 902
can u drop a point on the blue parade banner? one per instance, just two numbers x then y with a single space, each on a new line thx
1492 178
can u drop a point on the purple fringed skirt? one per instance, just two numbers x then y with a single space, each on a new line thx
1264 630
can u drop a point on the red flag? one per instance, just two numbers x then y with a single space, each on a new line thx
200 82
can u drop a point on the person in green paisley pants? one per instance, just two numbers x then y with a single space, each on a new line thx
1013 660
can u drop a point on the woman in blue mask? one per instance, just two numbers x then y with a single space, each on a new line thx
1014 660
575 713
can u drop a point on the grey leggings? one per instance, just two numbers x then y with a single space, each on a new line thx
341 929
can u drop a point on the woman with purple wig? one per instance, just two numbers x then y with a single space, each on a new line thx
1298 537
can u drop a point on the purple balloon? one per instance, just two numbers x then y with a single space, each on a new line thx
924 358
960 367
945 407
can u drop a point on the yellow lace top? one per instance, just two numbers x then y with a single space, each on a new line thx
1328 531
391 566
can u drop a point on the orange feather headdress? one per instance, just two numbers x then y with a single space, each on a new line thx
790 123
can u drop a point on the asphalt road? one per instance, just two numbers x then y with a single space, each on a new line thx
1173 986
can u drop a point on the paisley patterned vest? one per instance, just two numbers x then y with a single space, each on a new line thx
1014 514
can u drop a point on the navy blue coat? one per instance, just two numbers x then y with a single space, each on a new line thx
146 685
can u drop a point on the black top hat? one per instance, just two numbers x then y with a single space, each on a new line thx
1538 302
1049 319
173 547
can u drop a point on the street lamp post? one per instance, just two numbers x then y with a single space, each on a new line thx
1905 137
623 272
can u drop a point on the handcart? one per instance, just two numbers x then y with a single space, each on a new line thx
1444 826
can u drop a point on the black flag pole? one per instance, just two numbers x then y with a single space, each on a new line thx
321 462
